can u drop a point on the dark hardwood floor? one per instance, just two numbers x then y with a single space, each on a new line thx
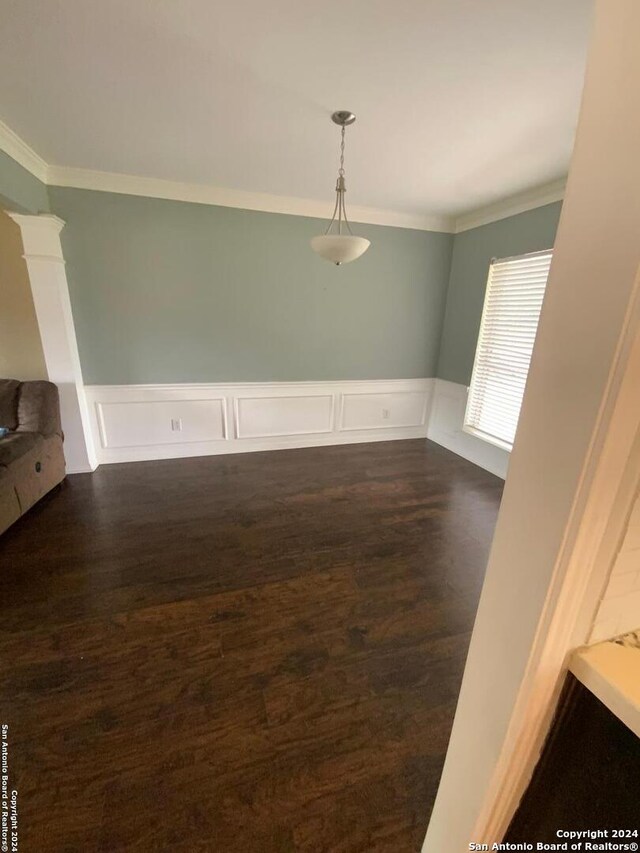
253 653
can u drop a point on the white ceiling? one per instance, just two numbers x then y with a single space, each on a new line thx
460 102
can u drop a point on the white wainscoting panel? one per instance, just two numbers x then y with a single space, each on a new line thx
383 410
137 422
141 423
266 417
445 427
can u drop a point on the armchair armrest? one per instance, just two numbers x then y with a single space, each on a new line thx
39 408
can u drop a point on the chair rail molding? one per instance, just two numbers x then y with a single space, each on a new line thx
50 291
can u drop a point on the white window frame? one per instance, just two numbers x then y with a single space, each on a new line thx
467 427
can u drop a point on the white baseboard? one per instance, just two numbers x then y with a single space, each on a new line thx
141 422
445 428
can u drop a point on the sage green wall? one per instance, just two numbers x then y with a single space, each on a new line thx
166 291
20 190
472 252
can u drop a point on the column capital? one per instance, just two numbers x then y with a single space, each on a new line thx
40 234
44 220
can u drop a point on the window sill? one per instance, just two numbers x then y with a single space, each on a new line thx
489 439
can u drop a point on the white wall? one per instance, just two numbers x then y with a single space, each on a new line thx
619 610
513 665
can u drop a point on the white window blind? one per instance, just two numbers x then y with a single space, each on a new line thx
512 304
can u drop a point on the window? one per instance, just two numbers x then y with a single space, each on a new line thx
512 304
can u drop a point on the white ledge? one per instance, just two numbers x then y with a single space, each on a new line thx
611 672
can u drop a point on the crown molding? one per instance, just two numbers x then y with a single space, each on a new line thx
88 179
22 153
519 203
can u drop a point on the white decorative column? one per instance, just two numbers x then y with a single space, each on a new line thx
48 278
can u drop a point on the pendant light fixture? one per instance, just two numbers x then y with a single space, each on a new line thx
333 245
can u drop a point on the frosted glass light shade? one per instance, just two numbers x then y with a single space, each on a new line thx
340 248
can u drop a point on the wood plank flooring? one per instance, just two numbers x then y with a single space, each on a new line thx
259 652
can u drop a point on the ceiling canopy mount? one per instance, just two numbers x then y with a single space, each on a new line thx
343 117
